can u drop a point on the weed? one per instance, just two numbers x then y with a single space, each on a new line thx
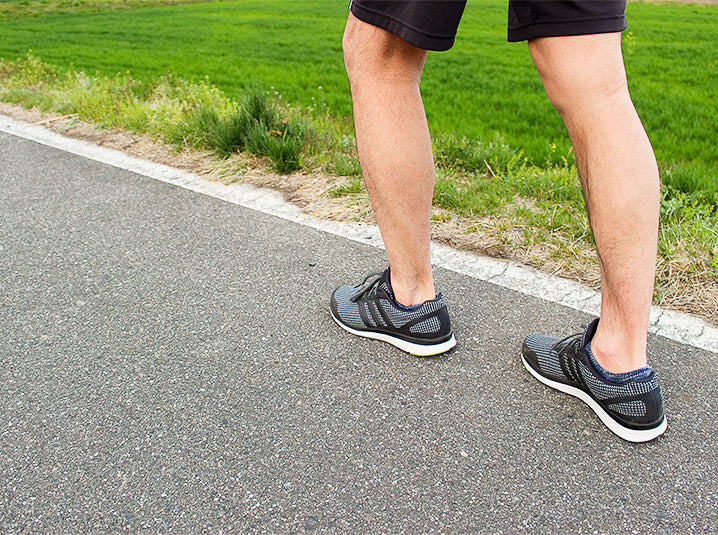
474 156
694 179
351 187
181 113
345 165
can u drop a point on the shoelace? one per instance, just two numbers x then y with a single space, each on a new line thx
567 348
370 284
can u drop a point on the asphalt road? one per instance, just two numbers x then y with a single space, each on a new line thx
168 364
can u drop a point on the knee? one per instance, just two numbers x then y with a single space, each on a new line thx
572 93
371 53
578 77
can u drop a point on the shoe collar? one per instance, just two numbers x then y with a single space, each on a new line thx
386 278
589 332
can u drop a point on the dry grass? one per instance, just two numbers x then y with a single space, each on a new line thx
684 288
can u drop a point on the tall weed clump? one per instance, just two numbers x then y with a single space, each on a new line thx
205 118
255 125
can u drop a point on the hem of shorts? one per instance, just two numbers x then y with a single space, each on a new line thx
566 28
411 35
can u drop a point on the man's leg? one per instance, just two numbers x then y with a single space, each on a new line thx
400 306
395 150
606 366
585 80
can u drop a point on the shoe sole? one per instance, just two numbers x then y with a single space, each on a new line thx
626 433
419 350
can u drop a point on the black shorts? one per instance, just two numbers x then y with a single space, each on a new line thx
432 24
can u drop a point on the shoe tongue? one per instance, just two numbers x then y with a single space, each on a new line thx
589 332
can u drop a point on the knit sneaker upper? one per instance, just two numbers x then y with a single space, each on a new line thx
636 404
371 308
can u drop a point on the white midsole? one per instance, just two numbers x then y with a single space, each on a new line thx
632 435
415 349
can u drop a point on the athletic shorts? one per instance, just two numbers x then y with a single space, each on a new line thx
432 24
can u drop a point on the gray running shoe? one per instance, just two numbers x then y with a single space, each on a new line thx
633 410
370 310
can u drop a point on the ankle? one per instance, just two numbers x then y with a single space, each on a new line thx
617 354
413 292
617 378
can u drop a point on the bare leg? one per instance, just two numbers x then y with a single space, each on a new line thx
395 150
585 80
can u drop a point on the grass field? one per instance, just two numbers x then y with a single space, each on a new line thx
506 184
482 87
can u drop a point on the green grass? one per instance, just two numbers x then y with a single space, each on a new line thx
15 9
293 47
267 78
482 87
